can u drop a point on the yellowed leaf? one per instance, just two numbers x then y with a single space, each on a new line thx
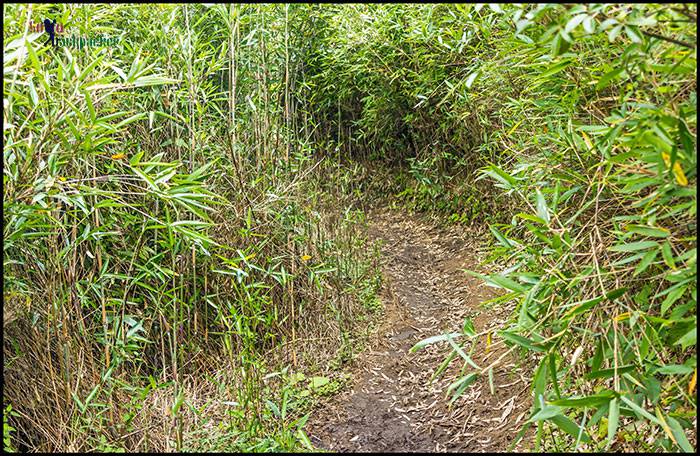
681 179
693 381
680 175
587 140
622 316
516 126
667 158
664 425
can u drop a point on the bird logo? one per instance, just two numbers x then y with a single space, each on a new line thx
50 28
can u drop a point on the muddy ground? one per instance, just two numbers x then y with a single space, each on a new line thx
392 406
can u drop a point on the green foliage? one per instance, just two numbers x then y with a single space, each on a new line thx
180 211
162 224
601 250
7 430
396 85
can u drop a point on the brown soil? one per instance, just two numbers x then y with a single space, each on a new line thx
392 405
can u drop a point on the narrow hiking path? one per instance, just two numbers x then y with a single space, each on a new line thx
392 405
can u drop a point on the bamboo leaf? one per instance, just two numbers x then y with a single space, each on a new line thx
613 420
522 341
434 339
633 246
567 425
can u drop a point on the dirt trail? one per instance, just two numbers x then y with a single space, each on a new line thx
392 406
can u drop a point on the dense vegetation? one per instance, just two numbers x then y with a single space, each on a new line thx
183 212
